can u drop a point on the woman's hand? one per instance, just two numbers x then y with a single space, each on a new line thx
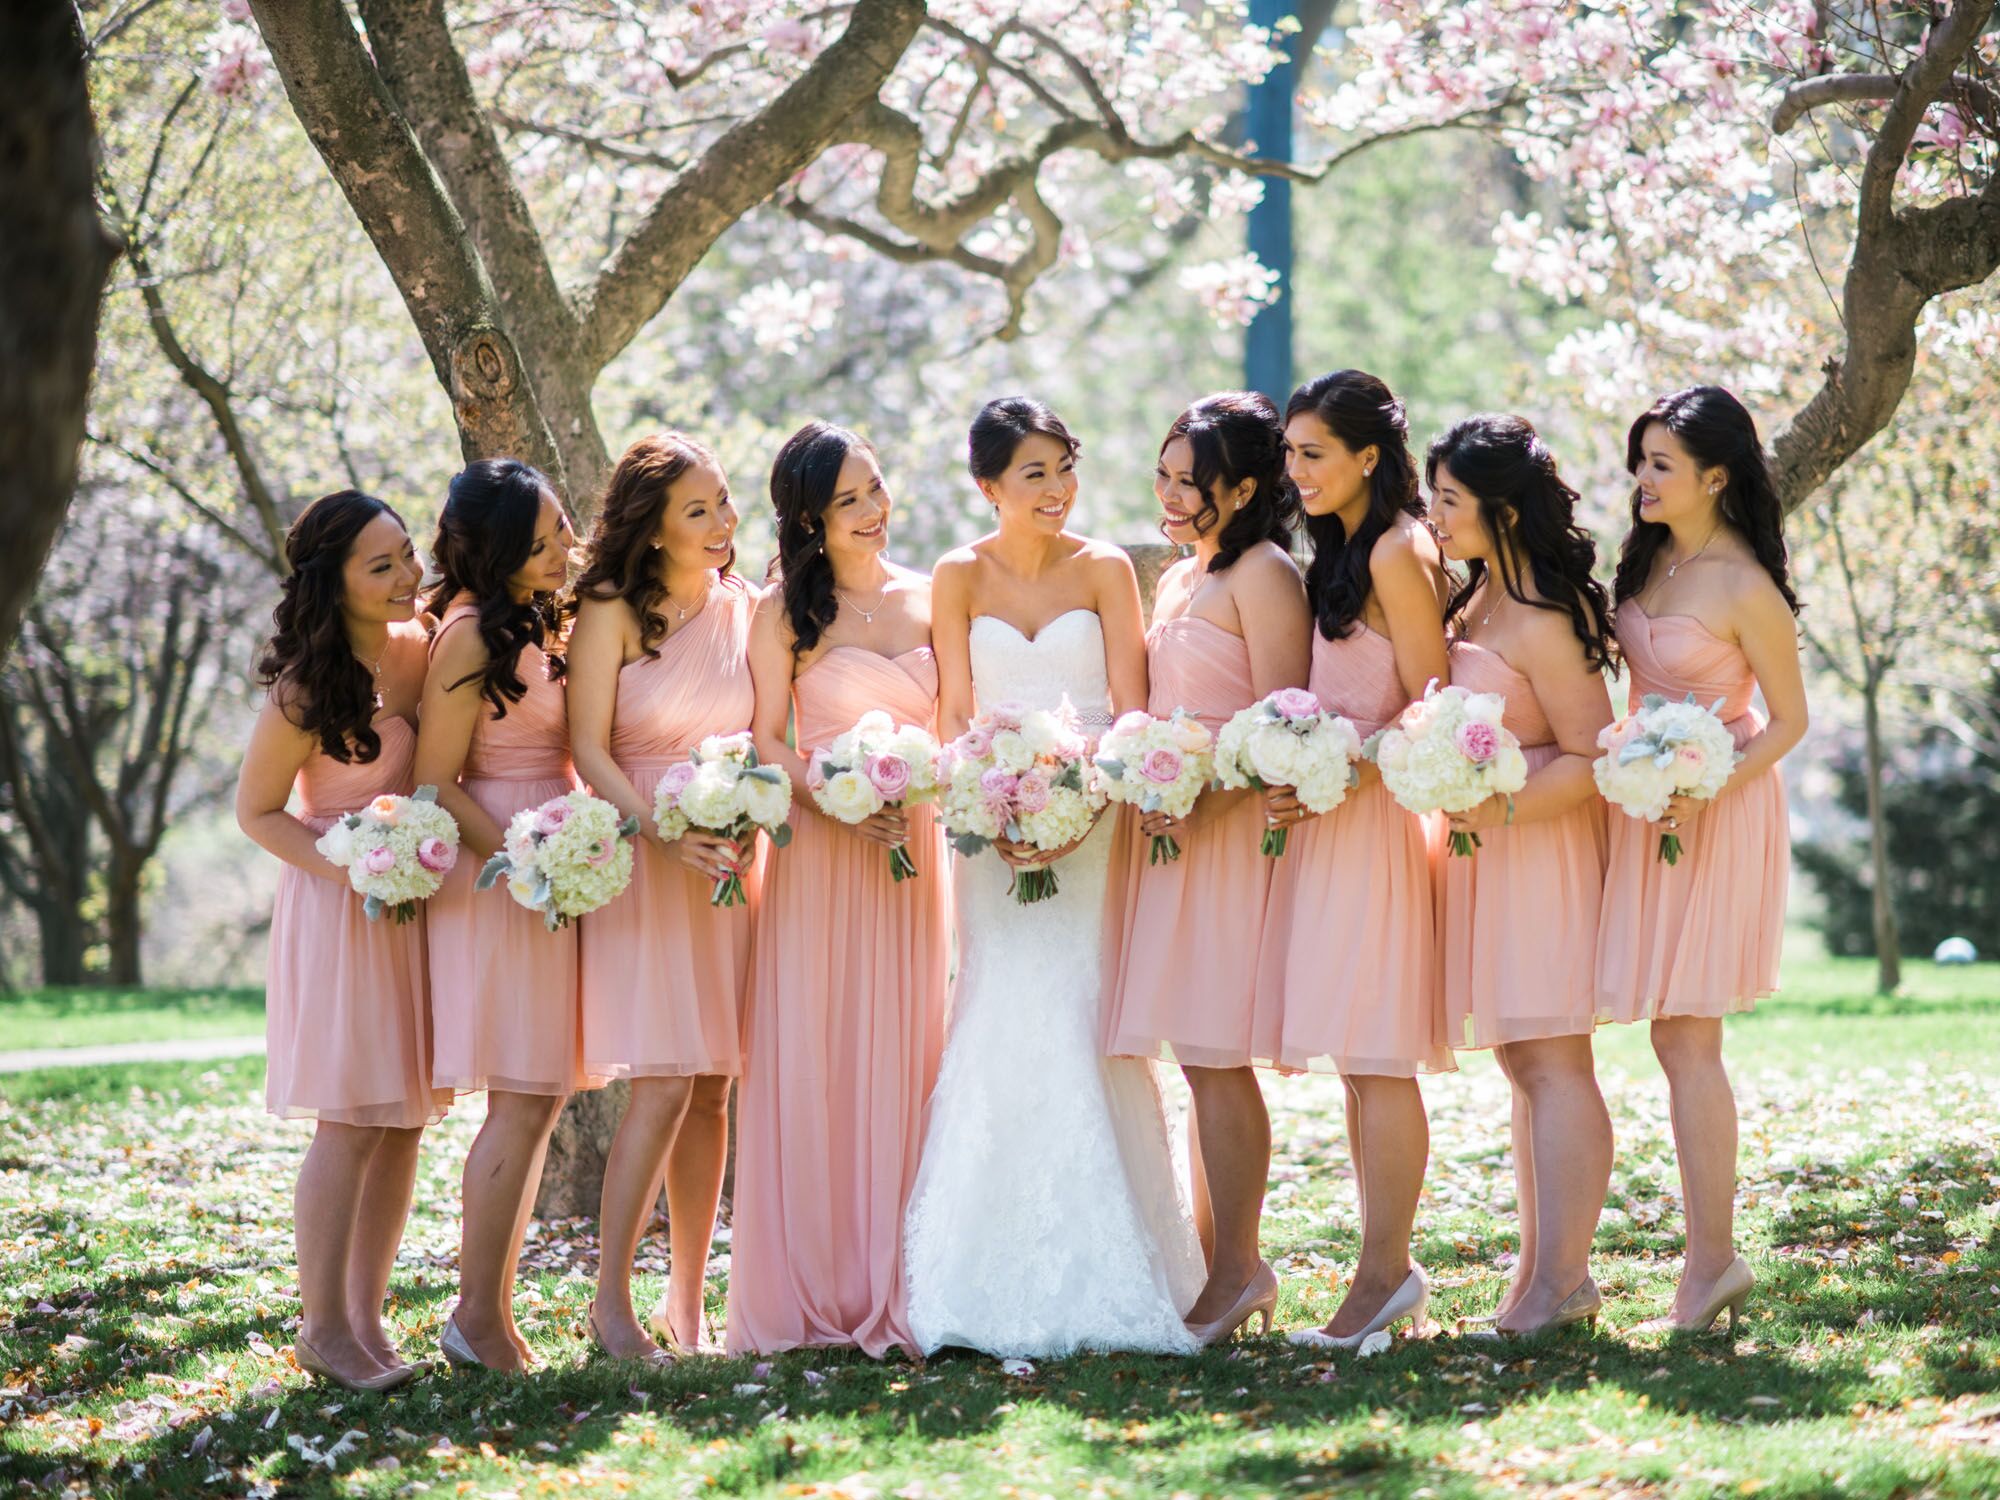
1033 856
1158 825
1681 811
1492 813
711 855
890 828
1282 808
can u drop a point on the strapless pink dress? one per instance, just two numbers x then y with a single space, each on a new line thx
665 973
846 1029
1518 917
1700 937
1350 957
1181 939
504 1007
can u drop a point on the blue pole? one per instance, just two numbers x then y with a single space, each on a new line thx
1267 342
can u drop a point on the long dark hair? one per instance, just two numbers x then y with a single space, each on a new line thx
1361 411
1524 502
804 476
1005 423
309 661
1717 432
618 558
484 535
1234 436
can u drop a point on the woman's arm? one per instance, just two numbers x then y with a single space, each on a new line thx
278 748
597 645
451 711
1116 590
1270 599
951 628
1769 636
1405 577
1576 704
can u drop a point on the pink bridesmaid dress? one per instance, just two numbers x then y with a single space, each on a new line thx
347 1022
846 1029
1349 958
1517 921
503 988
664 973
1700 937
1181 938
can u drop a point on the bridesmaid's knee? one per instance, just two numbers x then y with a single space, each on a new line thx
1687 1044
710 1095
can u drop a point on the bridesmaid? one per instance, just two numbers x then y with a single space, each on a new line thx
1349 957
659 660
1230 625
503 990
1519 917
847 996
1704 607
346 1020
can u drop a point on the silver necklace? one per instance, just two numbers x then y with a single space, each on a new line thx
867 615
1675 567
680 615
375 667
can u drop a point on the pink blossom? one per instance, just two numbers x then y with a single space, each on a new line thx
1031 793
600 853
997 786
551 815
674 780
1162 766
1132 722
435 855
1477 742
976 743
889 775
383 810
380 860
815 771
1618 734
1295 703
1009 715
791 36
1690 759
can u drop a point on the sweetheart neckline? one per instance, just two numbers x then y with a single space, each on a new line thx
1046 627
878 655
1652 619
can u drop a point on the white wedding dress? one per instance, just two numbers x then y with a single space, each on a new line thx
1046 1216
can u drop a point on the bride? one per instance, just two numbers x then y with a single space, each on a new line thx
1046 1216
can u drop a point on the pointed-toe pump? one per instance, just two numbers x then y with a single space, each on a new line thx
1259 1297
1408 1301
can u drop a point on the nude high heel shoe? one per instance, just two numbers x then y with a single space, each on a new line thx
1580 1306
1259 1297
389 1380
1731 1290
656 1356
1408 1301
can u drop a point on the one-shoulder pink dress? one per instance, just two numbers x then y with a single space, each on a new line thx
1517 921
1699 937
347 1024
1349 957
1181 938
504 1009
846 1030
664 972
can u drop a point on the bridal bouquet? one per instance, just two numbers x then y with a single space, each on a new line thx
874 765
722 789
1448 752
569 856
396 851
1156 765
1019 773
1664 750
1288 740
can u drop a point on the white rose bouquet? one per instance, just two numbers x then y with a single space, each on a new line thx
567 857
1448 752
1157 765
722 788
1663 751
396 851
876 764
1287 739
1019 773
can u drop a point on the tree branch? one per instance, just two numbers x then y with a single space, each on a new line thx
1869 88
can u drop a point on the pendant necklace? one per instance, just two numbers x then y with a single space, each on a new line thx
375 668
1675 567
867 615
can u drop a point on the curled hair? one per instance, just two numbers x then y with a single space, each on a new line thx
485 533
1236 436
309 662
618 559
804 476
1525 504
1717 432
1362 412
1002 426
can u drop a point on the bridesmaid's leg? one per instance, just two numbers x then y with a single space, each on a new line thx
1388 1113
1236 1160
383 1210
1522 1142
501 1171
1198 1204
325 1209
526 1212
695 1166
1704 1116
631 1186
1570 1133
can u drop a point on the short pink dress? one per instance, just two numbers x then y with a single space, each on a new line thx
347 1026
665 973
1699 937
1181 938
1517 918
1350 957
846 1030
503 988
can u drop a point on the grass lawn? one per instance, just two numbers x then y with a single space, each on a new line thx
146 1294
102 1017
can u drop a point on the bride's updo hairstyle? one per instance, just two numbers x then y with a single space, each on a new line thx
1003 425
1236 436
803 479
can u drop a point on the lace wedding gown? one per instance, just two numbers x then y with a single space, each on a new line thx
1046 1216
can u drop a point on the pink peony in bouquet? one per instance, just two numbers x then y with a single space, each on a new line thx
396 851
1020 774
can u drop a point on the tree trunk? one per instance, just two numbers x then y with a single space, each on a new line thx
59 925
123 923
54 257
1888 945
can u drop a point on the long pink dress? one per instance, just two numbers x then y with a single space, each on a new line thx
347 1024
846 1029
1349 957
1518 917
665 973
1181 938
503 988
1700 937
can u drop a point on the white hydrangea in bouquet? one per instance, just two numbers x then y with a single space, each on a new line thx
1288 740
722 788
567 857
1022 774
1448 752
876 764
397 851
1157 765
1663 751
